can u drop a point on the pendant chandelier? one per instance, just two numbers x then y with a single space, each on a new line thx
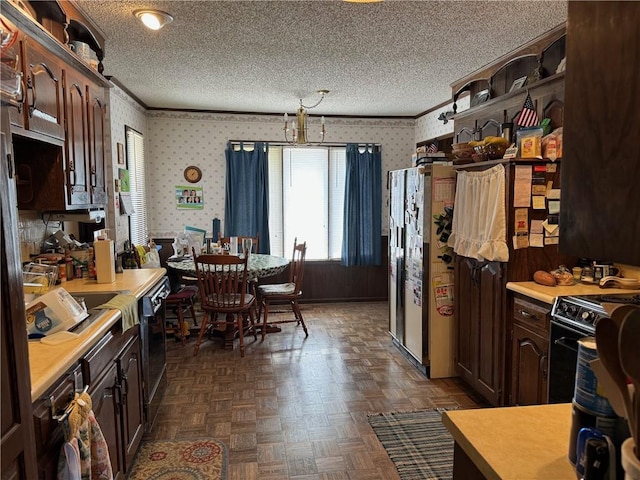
298 127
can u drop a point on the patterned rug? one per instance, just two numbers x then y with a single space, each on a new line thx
418 443
204 459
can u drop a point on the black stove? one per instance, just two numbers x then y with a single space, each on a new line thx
573 318
584 311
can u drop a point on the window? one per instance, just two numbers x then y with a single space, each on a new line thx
306 197
138 229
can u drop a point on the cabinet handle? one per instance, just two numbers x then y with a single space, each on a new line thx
22 90
526 314
125 387
10 165
31 86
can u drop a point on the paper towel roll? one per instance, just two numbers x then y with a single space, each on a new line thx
233 250
105 261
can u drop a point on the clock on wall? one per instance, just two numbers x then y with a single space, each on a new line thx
192 174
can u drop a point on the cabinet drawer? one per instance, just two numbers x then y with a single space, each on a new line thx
49 435
535 316
103 353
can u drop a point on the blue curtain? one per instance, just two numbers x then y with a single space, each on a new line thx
246 203
362 231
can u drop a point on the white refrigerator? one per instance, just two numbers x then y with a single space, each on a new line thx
421 316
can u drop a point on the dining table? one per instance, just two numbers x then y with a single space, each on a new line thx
259 265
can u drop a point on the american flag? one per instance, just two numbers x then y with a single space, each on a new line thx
433 148
528 116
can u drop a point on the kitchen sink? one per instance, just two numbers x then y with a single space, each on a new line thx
92 300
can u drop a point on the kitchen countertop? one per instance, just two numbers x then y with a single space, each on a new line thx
515 443
47 363
548 294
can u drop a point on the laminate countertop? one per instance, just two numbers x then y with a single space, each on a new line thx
47 363
515 443
548 294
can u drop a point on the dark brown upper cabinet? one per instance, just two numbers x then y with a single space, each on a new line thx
599 218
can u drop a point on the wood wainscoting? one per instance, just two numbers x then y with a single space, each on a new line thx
327 280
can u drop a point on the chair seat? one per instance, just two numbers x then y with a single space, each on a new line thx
230 300
278 289
184 294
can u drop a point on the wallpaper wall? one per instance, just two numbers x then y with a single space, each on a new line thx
175 140
123 111
428 126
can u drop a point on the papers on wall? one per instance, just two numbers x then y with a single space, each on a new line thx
126 205
522 186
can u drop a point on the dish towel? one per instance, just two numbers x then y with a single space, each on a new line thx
85 455
128 305
479 228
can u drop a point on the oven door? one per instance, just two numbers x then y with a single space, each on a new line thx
563 359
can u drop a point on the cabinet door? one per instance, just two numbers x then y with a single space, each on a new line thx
77 141
490 324
480 326
43 74
132 410
599 215
97 110
105 396
18 442
17 115
466 304
529 356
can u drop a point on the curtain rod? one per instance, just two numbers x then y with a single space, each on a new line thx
324 144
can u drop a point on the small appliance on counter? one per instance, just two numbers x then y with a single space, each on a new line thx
52 312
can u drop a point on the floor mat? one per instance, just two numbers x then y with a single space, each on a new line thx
418 443
204 459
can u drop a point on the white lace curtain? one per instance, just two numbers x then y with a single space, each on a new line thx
479 228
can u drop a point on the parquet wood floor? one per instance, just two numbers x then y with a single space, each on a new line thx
296 408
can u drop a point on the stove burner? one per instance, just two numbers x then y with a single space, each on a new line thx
634 300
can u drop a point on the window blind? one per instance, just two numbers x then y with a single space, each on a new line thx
138 227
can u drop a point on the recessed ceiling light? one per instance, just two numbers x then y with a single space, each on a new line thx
153 19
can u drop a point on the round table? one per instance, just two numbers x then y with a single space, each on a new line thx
259 265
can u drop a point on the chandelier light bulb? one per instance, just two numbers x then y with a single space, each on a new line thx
300 124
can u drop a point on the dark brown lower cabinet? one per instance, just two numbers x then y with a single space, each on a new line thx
105 396
529 367
113 373
117 397
479 305
529 351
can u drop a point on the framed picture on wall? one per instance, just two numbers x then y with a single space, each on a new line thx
120 154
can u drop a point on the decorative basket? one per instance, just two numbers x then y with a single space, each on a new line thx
490 152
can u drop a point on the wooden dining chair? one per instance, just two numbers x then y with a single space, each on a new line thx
222 281
181 302
285 292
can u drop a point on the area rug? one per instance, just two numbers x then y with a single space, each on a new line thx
418 443
204 459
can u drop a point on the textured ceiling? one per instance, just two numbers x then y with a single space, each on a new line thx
393 58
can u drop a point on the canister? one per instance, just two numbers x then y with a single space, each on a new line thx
588 392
